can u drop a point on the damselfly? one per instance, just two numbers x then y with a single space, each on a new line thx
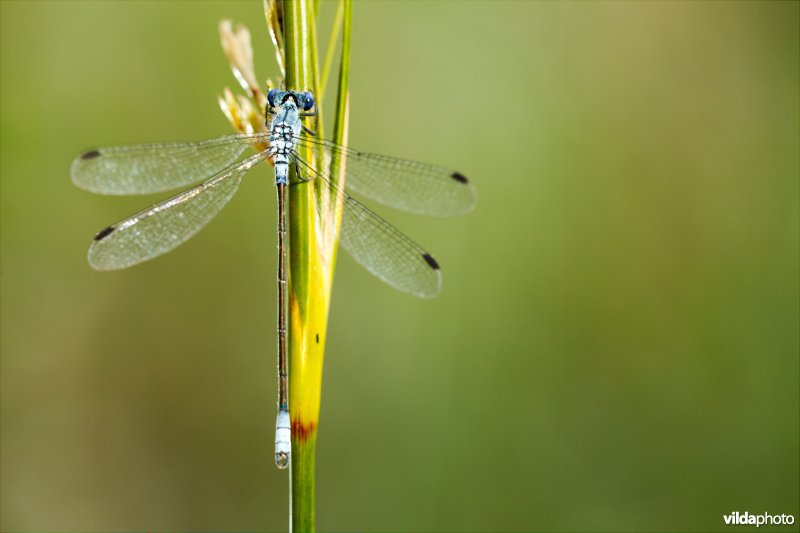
374 243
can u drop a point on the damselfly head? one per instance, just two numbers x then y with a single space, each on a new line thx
304 101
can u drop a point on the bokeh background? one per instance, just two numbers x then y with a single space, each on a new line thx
616 345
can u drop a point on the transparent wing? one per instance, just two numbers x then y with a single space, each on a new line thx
166 225
382 249
387 253
151 168
406 185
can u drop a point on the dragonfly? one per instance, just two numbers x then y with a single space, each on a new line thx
219 166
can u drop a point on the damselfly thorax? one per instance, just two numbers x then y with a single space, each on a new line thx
284 129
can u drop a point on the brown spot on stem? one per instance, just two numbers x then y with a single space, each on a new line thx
301 431
91 154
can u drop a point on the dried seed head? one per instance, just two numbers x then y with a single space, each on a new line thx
274 12
239 51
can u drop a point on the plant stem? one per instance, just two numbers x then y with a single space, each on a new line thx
331 50
308 297
341 120
343 94
314 216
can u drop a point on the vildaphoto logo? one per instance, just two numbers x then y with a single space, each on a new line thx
746 519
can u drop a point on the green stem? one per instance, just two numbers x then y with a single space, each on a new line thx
314 216
343 94
341 120
331 50
305 360
315 88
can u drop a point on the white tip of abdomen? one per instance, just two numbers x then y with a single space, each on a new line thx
283 439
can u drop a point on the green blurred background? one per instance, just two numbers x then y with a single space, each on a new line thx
616 345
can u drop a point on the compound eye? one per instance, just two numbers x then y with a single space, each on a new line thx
309 98
271 96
